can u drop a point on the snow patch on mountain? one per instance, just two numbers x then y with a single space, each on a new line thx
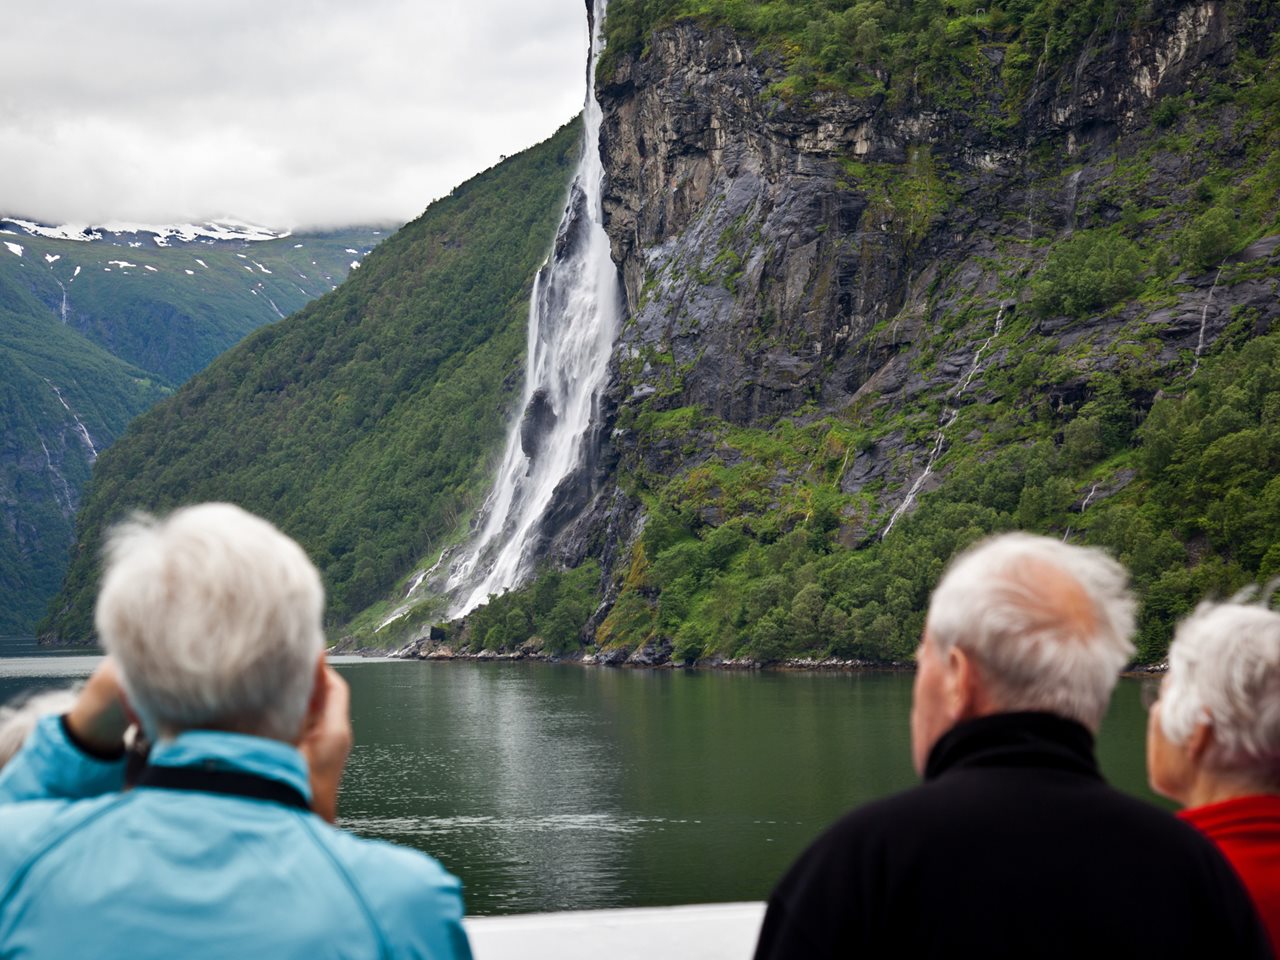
163 235
14 248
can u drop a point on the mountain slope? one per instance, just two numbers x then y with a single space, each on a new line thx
361 424
96 324
930 298
903 274
63 400
893 282
169 301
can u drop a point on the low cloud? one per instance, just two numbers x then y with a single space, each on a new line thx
292 113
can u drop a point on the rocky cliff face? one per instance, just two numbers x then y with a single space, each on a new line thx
875 261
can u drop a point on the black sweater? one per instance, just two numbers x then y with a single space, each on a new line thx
1014 846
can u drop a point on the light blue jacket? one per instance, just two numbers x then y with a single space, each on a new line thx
88 871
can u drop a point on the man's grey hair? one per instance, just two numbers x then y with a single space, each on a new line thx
18 718
215 618
1224 670
1049 624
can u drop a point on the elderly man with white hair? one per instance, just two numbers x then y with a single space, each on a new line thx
212 619
1213 740
1014 845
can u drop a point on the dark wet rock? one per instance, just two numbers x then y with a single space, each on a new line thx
1100 491
763 274
868 467
1263 249
651 655
536 424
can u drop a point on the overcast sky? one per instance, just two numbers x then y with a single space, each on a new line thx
285 113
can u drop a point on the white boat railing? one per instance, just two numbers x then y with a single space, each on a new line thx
711 931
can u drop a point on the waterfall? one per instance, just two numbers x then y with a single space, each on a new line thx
1066 537
1073 196
1085 506
1204 320
1031 220
948 417
63 311
80 427
573 320
939 438
70 509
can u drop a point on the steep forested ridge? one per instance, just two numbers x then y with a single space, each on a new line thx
95 326
62 398
362 424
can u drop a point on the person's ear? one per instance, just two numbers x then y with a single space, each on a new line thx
961 684
1199 742
315 705
967 693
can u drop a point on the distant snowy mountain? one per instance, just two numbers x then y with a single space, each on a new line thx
168 298
99 321
208 232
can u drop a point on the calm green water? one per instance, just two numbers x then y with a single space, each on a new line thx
562 787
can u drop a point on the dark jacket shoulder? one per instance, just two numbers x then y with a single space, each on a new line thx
1014 846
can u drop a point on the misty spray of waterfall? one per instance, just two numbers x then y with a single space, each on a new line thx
573 319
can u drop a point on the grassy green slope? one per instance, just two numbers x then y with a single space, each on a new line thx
362 423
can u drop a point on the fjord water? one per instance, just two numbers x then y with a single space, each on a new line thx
560 787
551 787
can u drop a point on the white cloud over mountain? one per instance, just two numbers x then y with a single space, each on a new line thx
291 113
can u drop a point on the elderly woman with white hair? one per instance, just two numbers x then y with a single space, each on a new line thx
1213 740
213 620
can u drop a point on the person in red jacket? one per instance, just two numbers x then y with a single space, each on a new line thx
1213 740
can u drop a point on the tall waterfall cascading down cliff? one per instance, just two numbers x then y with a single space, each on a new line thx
573 320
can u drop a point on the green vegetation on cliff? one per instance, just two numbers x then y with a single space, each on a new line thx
363 424
936 48
1188 498
1082 423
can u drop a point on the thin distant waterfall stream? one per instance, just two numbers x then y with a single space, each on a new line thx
81 429
949 415
573 320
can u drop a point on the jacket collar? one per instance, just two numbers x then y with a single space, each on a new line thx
215 750
1042 740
